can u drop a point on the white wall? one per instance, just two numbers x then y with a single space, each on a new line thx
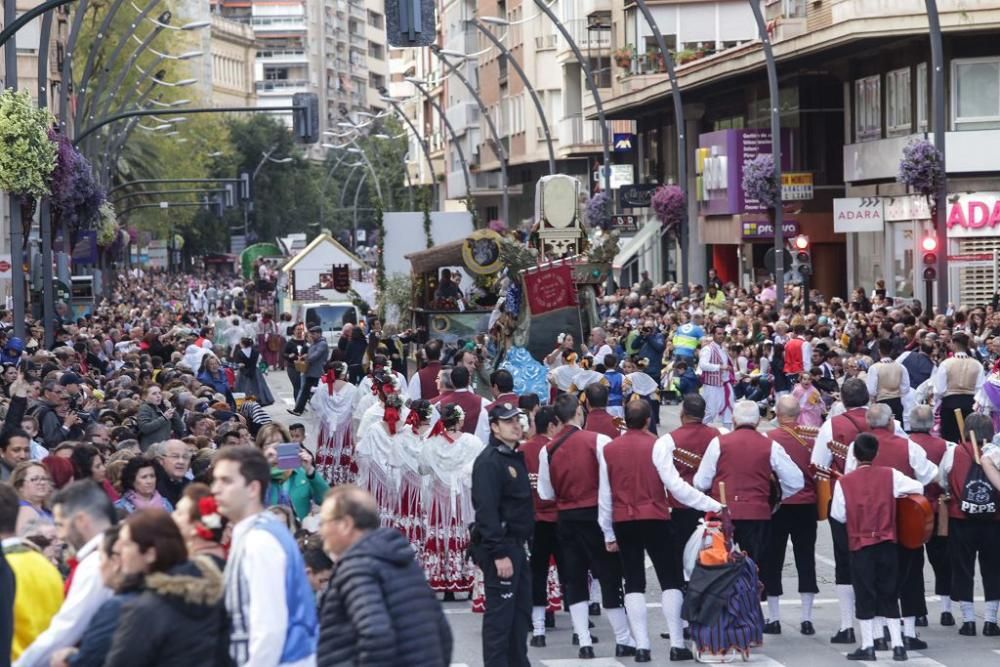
404 234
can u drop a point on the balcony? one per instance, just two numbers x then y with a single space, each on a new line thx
546 42
462 116
455 184
279 23
282 57
358 12
282 86
574 131
359 41
358 64
587 39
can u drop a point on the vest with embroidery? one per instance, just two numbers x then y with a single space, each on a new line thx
715 378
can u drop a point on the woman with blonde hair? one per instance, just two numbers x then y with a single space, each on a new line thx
297 488
33 484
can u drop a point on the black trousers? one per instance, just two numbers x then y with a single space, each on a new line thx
753 536
638 538
841 555
799 523
911 582
544 545
949 426
295 378
583 550
896 405
874 576
682 525
967 539
305 393
507 620
937 554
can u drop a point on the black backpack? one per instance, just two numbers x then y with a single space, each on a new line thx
978 496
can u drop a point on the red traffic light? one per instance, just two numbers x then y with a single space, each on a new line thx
801 242
929 243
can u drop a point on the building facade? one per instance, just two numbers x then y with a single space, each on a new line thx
233 59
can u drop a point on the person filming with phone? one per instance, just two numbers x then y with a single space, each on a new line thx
294 480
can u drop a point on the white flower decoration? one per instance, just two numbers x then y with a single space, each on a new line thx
212 521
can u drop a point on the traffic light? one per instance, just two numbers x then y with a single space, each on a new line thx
230 194
929 247
305 119
409 22
245 194
803 255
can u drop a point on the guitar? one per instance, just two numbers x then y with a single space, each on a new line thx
686 458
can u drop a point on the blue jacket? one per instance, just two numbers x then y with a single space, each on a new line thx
96 642
216 382
303 628
614 388
651 348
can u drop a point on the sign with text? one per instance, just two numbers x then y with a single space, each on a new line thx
621 175
625 223
764 229
719 163
341 278
550 288
906 207
796 186
972 259
974 215
637 195
858 214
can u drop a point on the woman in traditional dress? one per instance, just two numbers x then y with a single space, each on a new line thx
366 395
637 384
447 458
411 518
332 403
375 453
249 380
270 342
810 400
562 376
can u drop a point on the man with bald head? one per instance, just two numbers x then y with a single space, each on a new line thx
795 518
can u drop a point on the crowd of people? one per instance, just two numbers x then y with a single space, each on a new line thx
148 494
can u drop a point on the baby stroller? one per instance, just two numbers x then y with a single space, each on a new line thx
722 605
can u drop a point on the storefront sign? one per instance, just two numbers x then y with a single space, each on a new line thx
623 142
858 214
796 186
625 223
976 214
972 259
637 195
764 229
621 175
906 207
85 247
720 159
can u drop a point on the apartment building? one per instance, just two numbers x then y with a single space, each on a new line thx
231 80
853 92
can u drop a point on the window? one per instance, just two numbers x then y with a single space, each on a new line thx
867 108
898 115
375 20
376 51
976 94
922 97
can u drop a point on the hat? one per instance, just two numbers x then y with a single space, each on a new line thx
502 411
70 378
316 329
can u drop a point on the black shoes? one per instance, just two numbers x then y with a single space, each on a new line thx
586 653
294 412
537 641
844 637
624 651
449 596
550 619
576 639
947 620
990 629
914 643
679 654
687 634
866 654
899 654
807 628
968 629
881 644
643 655
772 628
594 609
921 621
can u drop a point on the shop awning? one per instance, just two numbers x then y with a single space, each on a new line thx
636 243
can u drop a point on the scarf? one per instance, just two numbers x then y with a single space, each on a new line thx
140 503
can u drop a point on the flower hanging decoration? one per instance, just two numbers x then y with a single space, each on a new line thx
27 157
76 196
759 182
669 205
598 211
498 226
922 167
107 225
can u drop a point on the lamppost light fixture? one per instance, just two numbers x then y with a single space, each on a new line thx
280 160
381 135
353 149
347 125
415 81
196 25
169 105
494 20
453 54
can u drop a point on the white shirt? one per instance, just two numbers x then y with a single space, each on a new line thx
602 352
413 390
86 595
545 490
822 457
901 486
264 564
940 377
789 475
663 461
871 380
925 471
705 358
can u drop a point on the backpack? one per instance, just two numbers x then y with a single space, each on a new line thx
978 496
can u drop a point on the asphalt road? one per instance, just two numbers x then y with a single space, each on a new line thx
791 648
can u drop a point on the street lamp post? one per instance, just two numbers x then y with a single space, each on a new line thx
265 158
524 78
772 87
423 143
451 130
354 229
18 295
44 206
941 196
497 146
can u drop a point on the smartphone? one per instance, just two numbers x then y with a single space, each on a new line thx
288 456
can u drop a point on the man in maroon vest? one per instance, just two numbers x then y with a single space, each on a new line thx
444 386
544 544
568 472
502 388
830 452
921 423
796 518
744 461
599 420
634 513
971 535
423 384
687 444
476 419
909 458
865 501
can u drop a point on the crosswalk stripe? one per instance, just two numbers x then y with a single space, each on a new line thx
599 662
914 658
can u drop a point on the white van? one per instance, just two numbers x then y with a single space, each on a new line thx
330 315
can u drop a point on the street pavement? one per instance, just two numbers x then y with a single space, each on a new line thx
790 649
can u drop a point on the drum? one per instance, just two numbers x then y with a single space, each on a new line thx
914 521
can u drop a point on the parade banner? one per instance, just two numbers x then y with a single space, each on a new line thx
550 288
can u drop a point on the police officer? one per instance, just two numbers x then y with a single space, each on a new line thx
505 517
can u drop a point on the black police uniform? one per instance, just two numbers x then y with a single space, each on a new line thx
505 518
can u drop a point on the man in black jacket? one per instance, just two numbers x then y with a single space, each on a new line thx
377 610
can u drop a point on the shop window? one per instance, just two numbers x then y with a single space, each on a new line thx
868 108
976 94
898 115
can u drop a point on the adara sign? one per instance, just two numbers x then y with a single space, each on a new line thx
976 214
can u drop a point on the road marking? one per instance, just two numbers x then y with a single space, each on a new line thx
913 658
599 662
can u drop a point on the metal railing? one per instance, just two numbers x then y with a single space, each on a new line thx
282 84
280 22
287 54
574 130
